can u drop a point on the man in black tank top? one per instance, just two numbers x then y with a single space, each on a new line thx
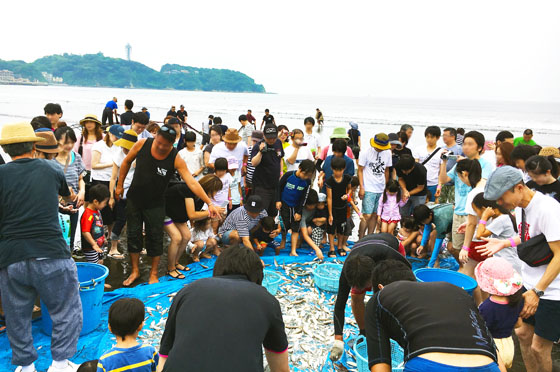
156 162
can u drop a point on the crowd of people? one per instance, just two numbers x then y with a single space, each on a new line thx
230 190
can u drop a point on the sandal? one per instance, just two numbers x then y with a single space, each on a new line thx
331 254
177 275
341 252
116 256
182 268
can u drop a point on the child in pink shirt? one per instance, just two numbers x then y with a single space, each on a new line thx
388 209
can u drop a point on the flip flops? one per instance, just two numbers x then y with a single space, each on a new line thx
177 275
182 268
331 254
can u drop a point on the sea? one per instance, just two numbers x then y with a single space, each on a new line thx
373 115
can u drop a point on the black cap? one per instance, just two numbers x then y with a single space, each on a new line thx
270 131
172 121
254 204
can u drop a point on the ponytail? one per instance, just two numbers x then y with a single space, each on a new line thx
392 186
538 165
473 168
482 203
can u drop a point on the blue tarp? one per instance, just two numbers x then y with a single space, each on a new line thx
155 296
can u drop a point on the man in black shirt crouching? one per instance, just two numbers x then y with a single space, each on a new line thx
222 323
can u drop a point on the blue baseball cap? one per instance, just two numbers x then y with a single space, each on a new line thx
500 181
116 130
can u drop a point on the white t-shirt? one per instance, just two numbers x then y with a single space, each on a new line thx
468 207
221 151
432 166
221 197
193 159
313 141
118 158
542 217
304 153
374 164
203 235
106 158
502 228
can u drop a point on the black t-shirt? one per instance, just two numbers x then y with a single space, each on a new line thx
175 207
425 318
151 177
29 225
396 155
181 115
126 118
415 178
267 173
268 119
234 319
338 189
552 189
378 247
172 113
258 233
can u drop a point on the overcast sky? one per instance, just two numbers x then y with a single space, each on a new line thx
499 50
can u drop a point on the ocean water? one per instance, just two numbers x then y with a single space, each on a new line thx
19 103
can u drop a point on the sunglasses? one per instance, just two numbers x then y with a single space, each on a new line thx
170 130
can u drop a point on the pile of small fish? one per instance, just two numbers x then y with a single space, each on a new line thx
308 318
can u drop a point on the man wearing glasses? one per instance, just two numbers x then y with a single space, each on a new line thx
156 162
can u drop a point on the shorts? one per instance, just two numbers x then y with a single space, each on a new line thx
93 256
287 214
473 253
356 290
546 320
317 235
167 221
456 238
419 364
370 202
432 190
388 222
349 227
339 222
225 237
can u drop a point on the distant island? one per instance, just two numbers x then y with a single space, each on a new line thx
96 70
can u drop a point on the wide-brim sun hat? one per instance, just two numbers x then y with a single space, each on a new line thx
232 136
380 141
339 133
394 140
127 140
50 144
497 277
18 133
550 151
92 118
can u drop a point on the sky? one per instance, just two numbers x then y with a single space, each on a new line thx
420 49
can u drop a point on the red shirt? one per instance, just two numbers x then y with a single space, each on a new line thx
92 223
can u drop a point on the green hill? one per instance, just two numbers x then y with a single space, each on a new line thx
96 70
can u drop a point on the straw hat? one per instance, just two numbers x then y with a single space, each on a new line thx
90 117
18 133
339 133
496 276
127 140
549 150
232 136
380 141
50 144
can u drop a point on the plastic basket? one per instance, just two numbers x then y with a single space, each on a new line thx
326 276
360 350
449 276
271 281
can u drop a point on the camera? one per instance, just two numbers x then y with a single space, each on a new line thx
448 155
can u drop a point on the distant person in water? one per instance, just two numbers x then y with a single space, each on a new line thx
172 112
267 119
145 111
110 109
53 111
527 139
319 117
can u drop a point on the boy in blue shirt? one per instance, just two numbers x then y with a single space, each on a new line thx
126 319
291 196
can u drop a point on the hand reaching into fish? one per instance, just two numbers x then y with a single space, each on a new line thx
337 350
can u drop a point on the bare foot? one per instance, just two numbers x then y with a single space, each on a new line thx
206 255
153 279
293 254
131 279
195 258
346 249
108 286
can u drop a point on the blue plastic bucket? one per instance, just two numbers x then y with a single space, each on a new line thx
449 276
327 276
271 281
360 350
92 284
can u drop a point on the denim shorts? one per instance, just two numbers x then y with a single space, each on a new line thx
369 204
225 237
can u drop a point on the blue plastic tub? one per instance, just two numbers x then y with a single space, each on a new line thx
326 276
271 281
92 284
360 350
449 276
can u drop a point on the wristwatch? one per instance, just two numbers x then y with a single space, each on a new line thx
539 293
